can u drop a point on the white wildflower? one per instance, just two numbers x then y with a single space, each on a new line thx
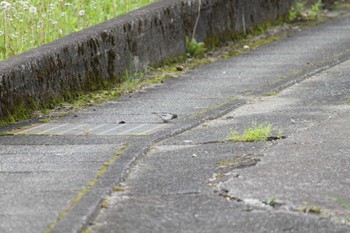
33 10
5 6
54 22
63 13
81 12
24 4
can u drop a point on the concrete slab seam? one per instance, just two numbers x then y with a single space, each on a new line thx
305 72
88 187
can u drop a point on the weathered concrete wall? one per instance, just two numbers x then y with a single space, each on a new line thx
98 56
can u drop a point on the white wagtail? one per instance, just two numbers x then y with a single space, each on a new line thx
165 116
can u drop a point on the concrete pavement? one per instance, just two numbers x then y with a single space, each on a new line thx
183 176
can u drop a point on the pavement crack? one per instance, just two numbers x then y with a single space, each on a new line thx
212 142
278 206
86 189
187 193
239 163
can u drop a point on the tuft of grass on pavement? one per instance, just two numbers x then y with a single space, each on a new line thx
255 133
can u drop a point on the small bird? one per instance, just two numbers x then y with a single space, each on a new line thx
165 116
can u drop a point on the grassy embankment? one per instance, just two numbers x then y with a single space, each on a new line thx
26 24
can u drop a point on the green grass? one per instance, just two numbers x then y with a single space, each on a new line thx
194 48
297 10
272 93
86 231
300 12
256 133
105 203
315 10
118 189
271 202
343 202
28 24
311 209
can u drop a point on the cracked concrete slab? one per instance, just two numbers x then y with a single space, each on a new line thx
309 168
201 213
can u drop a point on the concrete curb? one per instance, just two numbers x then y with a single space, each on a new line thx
98 56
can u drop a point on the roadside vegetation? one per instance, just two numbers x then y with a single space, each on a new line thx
26 24
299 12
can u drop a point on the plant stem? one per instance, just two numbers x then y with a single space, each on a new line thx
197 19
4 20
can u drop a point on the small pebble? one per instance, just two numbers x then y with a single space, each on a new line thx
179 68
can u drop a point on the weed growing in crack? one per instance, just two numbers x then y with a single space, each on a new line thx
105 203
256 133
313 209
86 231
194 48
271 202
272 93
118 189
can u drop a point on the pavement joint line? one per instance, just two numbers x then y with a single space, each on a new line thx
88 187
108 130
97 127
36 127
304 73
154 129
57 127
74 128
139 126
212 108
